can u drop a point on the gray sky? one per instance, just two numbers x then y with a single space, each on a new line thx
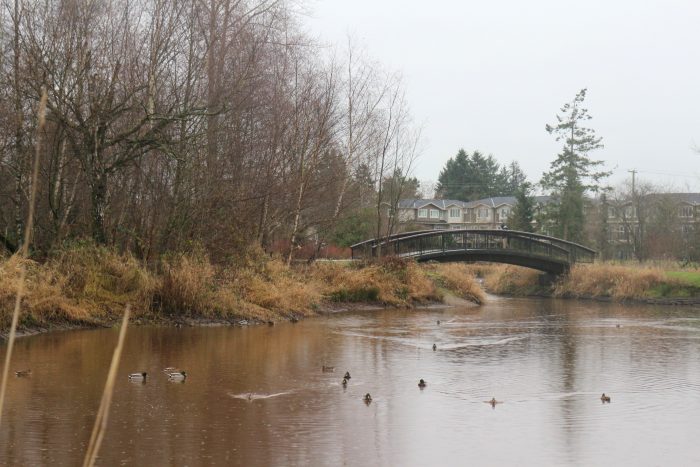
490 74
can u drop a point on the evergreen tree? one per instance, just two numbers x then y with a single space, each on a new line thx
510 180
470 177
573 173
524 210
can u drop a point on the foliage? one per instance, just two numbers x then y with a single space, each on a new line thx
353 228
469 177
524 210
573 173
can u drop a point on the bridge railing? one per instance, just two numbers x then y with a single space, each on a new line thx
432 243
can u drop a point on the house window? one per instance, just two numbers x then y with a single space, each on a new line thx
685 211
455 212
423 213
505 212
482 213
434 214
630 212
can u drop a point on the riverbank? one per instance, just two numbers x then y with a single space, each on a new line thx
89 286
654 283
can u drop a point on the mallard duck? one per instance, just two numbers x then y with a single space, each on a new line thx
138 376
22 373
434 346
327 369
367 398
177 376
493 402
604 398
345 382
347 375
422 383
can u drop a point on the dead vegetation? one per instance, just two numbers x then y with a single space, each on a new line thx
85 284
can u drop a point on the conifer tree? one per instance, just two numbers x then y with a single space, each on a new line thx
573 172
524 211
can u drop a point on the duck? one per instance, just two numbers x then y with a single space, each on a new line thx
604 398
345 382
177 376
22 373
367 398
438 322
434 346
327 369
138 376
347 375
493 402
422 383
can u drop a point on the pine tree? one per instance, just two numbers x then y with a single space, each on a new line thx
573 173
524 210
469 177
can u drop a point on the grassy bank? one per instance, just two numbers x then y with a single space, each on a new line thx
631 281
85 285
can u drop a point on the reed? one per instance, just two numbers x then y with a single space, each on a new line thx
459 278
98 430
612 280
24 253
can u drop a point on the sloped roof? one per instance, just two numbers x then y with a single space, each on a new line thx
421 203
493 202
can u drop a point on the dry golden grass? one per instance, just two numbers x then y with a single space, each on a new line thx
45 298
186 286
460 278
611 280
86 284
511 280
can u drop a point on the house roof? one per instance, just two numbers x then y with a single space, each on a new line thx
688 198
421 203
493 202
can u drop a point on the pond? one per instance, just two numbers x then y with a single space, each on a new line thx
258 396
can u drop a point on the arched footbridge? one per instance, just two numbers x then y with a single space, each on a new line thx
549 254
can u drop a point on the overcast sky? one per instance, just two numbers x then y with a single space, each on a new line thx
490 74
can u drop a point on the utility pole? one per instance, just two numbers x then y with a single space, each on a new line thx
633 172
639 228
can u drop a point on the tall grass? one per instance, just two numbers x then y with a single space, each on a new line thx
611 280
100 426
29 227
511 280
459 278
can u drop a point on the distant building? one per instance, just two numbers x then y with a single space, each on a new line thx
444 214
668 224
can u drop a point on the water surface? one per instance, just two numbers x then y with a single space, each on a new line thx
257 395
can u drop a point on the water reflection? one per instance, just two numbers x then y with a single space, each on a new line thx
258 396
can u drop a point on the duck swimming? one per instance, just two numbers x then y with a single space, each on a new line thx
177 376
22 373
434 346
422 383
367 399
138 376
347 375
345 382
604 398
